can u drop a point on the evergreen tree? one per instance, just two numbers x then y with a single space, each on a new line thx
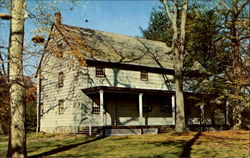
217 40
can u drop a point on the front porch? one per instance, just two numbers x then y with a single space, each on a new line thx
117 106
143 111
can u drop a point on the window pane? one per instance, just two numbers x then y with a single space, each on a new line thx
144 75
60 79
95 108
100 72
147 108
61 106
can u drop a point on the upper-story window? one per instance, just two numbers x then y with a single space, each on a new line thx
60 79
99 72
61 106
144 75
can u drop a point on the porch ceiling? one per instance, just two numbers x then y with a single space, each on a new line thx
124 90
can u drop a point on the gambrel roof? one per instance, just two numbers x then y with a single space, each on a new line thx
116 48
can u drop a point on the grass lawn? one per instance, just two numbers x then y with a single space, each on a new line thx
193 144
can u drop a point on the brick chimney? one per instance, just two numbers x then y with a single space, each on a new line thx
58 18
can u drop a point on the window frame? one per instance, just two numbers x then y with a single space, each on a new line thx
100 72
60 79
147 108
61 107
144 75
166 108
95 108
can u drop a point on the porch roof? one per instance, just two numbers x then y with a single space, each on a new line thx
125 90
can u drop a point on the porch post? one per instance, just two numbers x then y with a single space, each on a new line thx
101 106
226 113
173 109
202 114
140 108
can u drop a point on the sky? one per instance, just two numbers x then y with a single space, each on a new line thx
117 16
123 17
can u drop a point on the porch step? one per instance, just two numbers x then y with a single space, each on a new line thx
131 131
123 130
165 129
120 132
95 130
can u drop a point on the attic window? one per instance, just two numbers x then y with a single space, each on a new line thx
60 79
60 45
144 75
99 72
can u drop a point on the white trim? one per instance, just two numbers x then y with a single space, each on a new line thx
141 108
101 105
173 108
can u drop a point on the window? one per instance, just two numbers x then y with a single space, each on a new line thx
60 79
99 72
41 109
41 84
166 108
61 106
144 75
147 103
147 108
95 108
166 104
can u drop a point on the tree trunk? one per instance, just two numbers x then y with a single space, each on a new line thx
178 48
179 51
180 113
17 137
236 67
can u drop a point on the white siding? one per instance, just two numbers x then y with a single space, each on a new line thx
78 105
128 79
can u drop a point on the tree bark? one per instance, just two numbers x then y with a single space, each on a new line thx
17 137
180 108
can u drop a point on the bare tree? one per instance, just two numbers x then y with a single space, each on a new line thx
17 138
178 50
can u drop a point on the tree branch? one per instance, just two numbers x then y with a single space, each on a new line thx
2 62
174 25
243 6
166 7
183 24
224 4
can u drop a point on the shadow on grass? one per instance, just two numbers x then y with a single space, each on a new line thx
64 148
188 146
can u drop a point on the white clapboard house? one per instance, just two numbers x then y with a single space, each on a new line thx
89 79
